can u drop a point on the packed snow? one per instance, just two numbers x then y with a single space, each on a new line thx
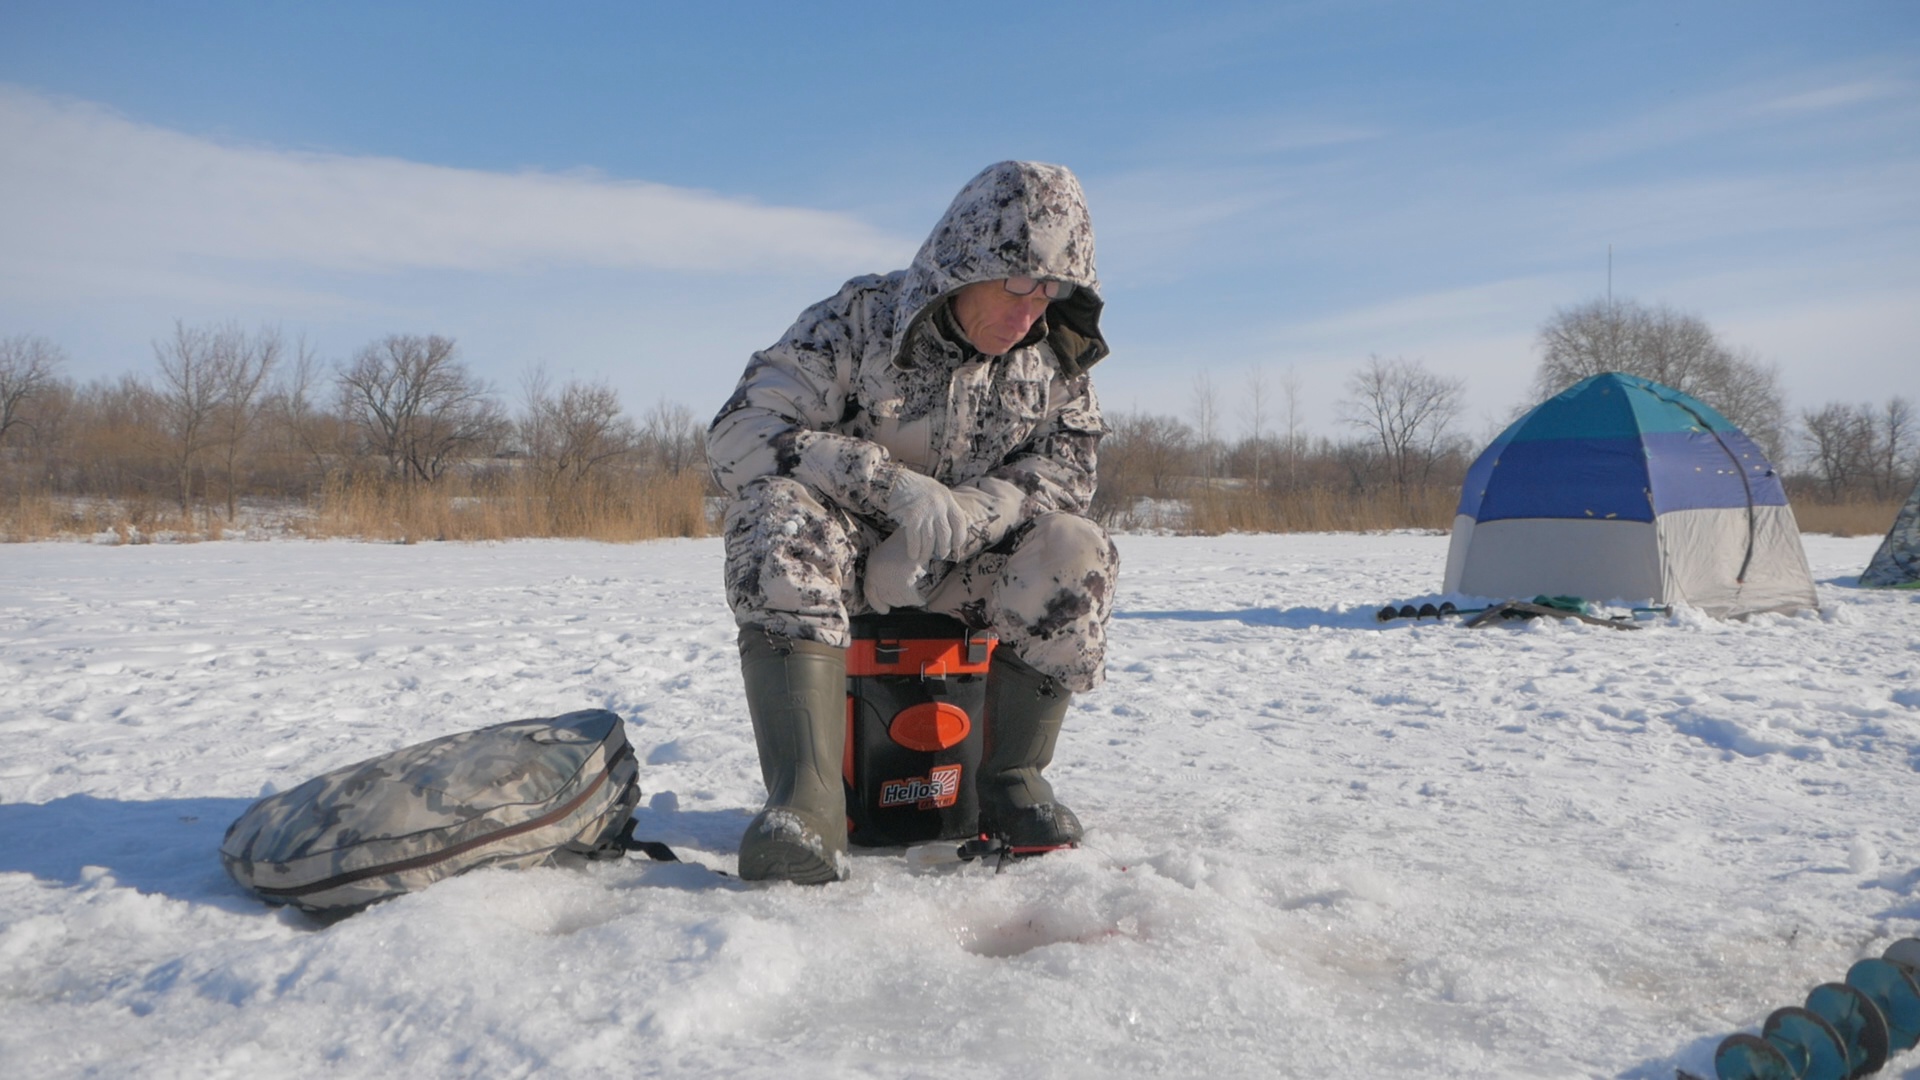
1319 845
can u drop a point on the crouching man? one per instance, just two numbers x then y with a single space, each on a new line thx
924 439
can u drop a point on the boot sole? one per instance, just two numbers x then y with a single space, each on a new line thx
787 862
781 845
1024 829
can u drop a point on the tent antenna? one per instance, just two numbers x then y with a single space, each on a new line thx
1609 279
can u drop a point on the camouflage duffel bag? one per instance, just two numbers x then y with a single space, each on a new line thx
523 793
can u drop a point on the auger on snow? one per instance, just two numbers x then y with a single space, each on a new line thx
1845 1029
1559 607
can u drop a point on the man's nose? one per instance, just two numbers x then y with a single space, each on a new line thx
1032 307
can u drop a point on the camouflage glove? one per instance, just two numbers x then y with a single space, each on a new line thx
929 518
893 576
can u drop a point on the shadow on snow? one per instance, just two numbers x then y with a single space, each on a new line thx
171 847
165 846
1290 619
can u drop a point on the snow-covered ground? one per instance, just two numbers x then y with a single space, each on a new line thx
1319 846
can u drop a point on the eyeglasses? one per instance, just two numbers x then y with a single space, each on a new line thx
1052 290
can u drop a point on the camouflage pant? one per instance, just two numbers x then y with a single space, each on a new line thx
794 565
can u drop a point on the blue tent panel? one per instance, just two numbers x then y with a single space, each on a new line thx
1616 447
1699 471
1566 478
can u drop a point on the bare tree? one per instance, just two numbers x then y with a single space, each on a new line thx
1159 446
113 439
1669 347
1407 412
1142 455
1290 394
187 396
1858 451
1206 423
1360 461
209 398
1840 446
1253 409
307 438
673 439
571 434
417 406
1895 452
243 366
29 367
1748 393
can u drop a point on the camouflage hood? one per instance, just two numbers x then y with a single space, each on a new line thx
1017 218
876 380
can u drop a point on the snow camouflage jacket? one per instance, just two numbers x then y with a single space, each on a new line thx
878 379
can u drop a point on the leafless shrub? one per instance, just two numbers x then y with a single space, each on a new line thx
1839 440
1206 424
1254 407
209 399
577 441
1407 413
417 407
301 442
1153 476
1896 458
1142 456
1857 453
29 369
672 439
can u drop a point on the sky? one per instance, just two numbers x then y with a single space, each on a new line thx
643 194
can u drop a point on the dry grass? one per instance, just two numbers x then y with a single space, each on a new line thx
1218 511
1848 518
499 507
29 517
513 505
516 505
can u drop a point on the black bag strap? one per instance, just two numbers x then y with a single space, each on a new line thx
652 849
617 846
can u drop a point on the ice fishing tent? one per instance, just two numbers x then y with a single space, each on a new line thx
1621 489
1896 565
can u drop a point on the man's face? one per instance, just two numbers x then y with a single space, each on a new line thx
994 319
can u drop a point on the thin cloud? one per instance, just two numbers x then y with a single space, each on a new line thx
1397 322
1771 109
81 184
1705 214
1465 206
1841 96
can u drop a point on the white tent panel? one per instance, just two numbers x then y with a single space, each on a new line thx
1692 557
1519 558
1704 552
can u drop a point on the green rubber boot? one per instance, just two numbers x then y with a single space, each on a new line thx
797 696
1024 712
